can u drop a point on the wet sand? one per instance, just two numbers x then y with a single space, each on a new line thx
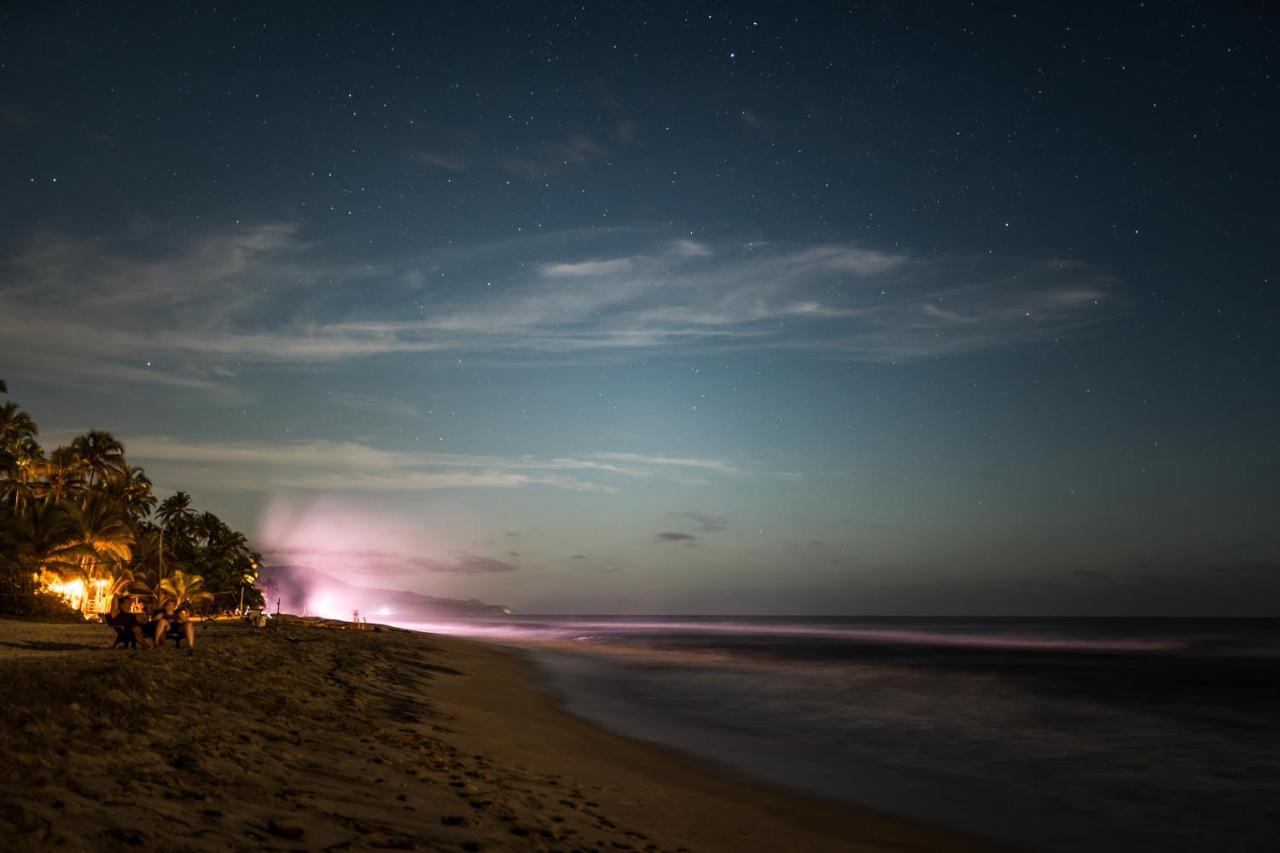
313 736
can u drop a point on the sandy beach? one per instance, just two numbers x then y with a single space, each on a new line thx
314 736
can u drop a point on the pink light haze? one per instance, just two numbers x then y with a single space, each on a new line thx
556 630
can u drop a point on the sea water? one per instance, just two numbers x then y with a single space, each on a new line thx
1061 734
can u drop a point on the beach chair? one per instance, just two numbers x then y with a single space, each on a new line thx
175 636
124 636
172 635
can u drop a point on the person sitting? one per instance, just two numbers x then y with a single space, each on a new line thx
157 630
129 631
181 625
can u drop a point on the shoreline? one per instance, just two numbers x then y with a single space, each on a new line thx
310 736
668 774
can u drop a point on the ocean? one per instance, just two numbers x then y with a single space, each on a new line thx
1055 734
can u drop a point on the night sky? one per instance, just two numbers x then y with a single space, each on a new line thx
861 308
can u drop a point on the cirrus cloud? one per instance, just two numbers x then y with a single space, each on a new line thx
317 465
208 305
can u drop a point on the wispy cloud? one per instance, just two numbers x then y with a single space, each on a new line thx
384 563
756 122
380 404
572 151
705 523
580 148
688 462
440 161
351 466
687 248
206 306
464 564
583 269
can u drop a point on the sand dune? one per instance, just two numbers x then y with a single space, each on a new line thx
311 736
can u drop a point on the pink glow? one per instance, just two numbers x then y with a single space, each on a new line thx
353 545
334 536
581 631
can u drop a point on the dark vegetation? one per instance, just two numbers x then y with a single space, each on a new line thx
79 525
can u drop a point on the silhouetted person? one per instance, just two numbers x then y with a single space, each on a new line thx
157 630
180 620
128 628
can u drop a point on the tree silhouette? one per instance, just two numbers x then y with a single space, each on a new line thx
175 509
82 512
181 588
101 458
15 426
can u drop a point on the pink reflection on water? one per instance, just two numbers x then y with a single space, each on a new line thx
587 631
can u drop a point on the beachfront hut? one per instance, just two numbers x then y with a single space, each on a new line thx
89 598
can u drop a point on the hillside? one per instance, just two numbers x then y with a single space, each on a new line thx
301 589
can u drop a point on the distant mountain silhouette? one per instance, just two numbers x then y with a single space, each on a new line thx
304 590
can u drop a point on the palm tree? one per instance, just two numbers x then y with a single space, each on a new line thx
145 563
221 555
20 465
83 515
121 583
103 526
15 425
105 536
43 539
176 508
146 553
61 476
101 456
149 585
180 588
17 445
9 470
134 494
220 540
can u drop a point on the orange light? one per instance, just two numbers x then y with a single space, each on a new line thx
72 592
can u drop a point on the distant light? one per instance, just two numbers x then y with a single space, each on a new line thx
386 611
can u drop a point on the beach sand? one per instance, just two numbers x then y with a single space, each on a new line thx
312 736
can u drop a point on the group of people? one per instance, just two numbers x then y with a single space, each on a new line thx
164 622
